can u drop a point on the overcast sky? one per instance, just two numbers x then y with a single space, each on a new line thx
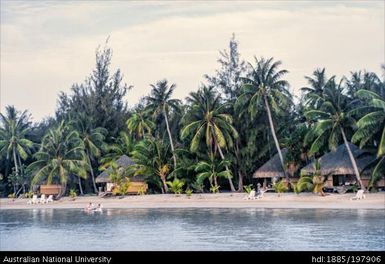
48 46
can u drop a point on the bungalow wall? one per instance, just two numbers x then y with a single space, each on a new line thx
339 180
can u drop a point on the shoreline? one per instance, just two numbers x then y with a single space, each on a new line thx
206 200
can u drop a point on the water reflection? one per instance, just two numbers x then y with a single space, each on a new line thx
192 229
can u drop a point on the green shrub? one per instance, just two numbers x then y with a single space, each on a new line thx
214 188
28 194
198 187
122 187
12 195
188 192
280 187
73 193
176 186
142 191
248 188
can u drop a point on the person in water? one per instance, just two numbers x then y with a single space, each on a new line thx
98 208
90 207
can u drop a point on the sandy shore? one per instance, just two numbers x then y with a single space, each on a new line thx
221 200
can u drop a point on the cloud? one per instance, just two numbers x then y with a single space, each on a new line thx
157 40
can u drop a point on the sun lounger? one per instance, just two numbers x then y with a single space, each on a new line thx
359 195
50 199
260 195
105 194
42 200
34 200
251 196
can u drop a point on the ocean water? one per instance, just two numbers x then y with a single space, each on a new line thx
192 229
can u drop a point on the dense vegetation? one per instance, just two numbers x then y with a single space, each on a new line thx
215 139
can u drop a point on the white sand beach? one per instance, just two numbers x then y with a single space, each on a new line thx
220 200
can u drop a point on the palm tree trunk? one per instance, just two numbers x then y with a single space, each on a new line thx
164 184
21 173
227 168
142 132
355 168
92 172
63 190
215 181
80 186
170 137
15 161
275 138
240 175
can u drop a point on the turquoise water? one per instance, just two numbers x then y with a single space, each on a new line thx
192 229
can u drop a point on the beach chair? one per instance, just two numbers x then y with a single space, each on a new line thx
260 195
251 196
50 198
42 200
359 195
34 200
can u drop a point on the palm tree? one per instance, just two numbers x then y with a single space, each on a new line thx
265 89
206 119
313 94
372 126
13 141
160 102
151 158
93 142
211 170
139 125
61 154
332 119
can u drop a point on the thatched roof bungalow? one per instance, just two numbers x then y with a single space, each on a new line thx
123 162
338 162
336 165
272 170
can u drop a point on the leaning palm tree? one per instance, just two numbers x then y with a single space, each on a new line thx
13 141
207 120
93 142
331 121
264 89
160 102
372 127
139 125
61 155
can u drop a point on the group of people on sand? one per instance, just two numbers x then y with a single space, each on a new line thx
92 208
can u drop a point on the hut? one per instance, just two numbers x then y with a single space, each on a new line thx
272 170
136 183
51 189
338 169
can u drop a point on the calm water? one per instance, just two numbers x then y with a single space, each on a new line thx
192 229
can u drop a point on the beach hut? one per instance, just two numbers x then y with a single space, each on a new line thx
136 183
338 169
51 189
272 170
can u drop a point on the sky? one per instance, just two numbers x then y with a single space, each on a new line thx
46 46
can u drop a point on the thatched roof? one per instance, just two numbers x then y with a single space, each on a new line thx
272 168
338 162
123 162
